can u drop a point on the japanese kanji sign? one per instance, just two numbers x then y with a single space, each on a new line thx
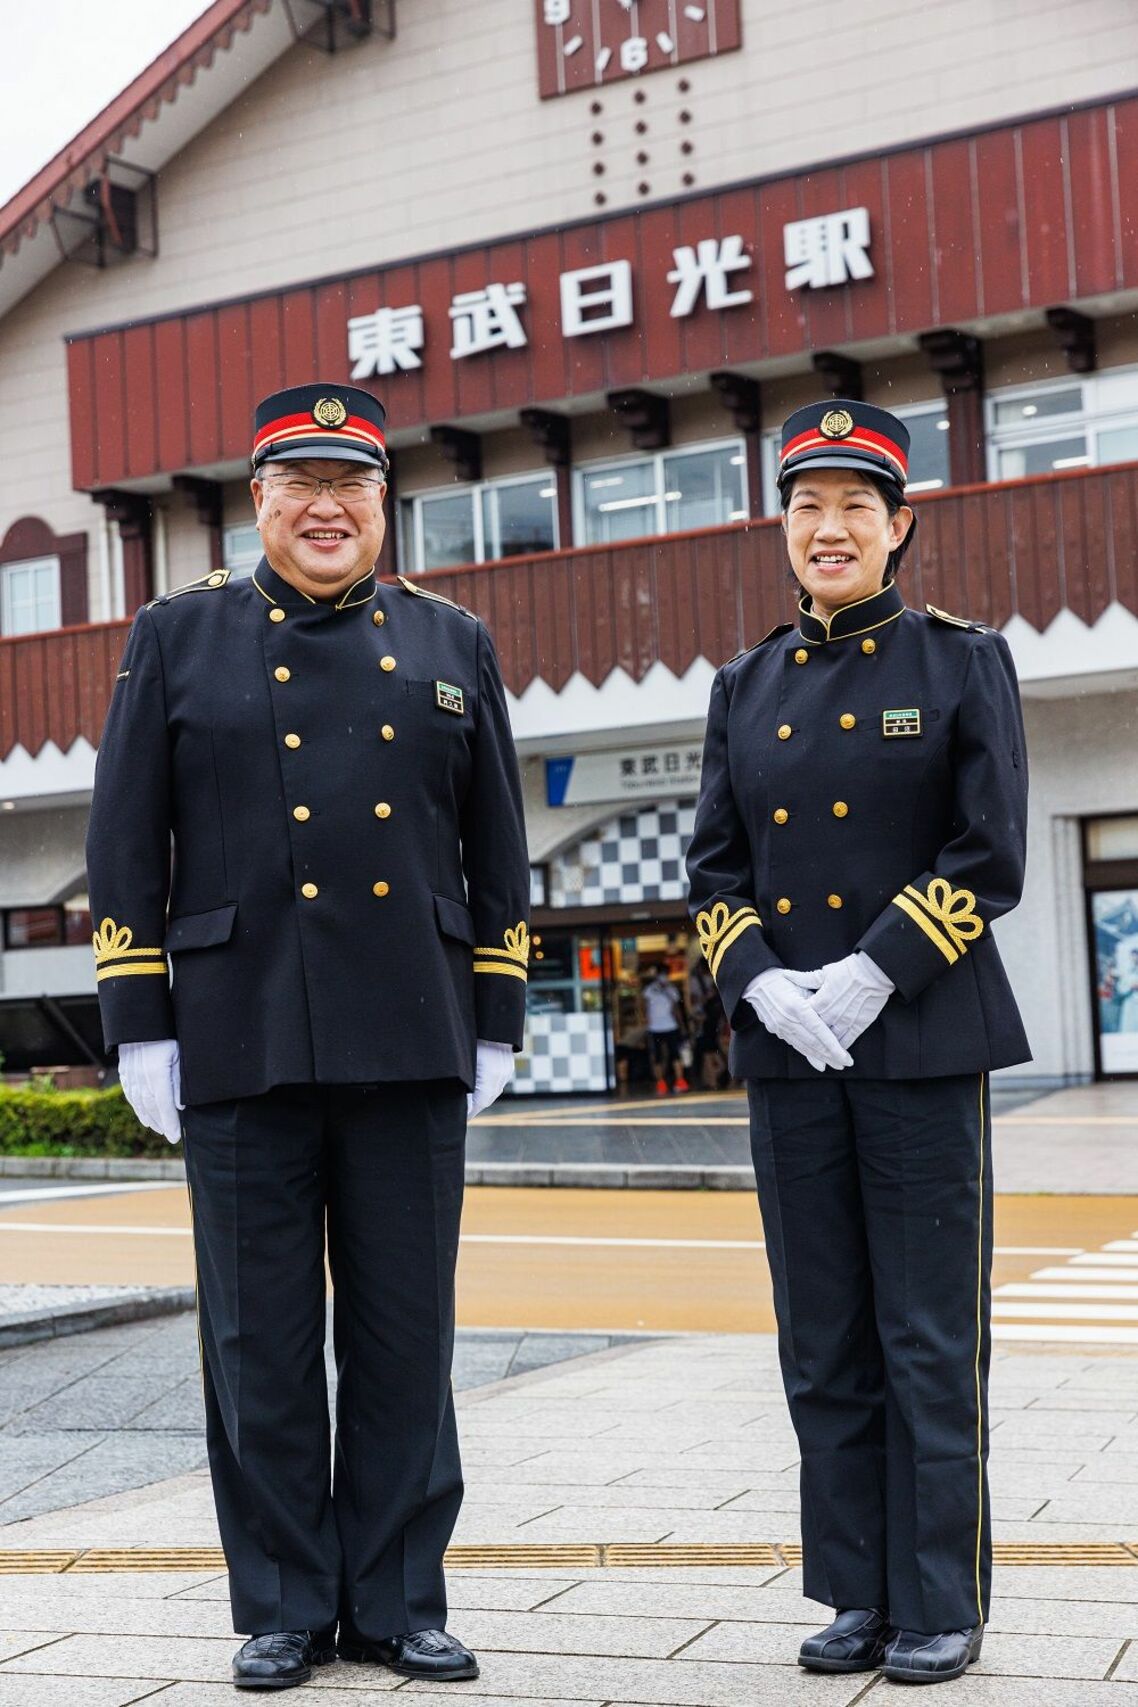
827 251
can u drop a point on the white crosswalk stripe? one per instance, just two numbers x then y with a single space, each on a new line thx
1092 1298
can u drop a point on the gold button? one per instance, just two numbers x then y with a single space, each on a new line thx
847 720
801 655
834 901
387 663
839 809
309 891
868 646
276 614
378 618
383 810
301 813
387 732
381 889
292 740
783 904
281 673
217 578
785 732
781 815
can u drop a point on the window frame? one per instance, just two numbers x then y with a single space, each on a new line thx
731 441
474 490
22 564
772 441
1091 419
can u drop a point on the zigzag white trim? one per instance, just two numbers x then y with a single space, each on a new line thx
660 700
1070 648
51 771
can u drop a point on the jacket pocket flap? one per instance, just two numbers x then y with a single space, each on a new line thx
454 919
201 930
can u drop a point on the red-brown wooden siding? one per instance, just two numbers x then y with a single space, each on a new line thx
1032 546
1019 217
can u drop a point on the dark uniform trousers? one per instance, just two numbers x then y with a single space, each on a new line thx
384 1166
876 1199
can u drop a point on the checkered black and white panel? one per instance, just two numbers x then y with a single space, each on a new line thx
638 856
562 1052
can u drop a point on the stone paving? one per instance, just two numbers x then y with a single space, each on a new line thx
120 1407
666 1440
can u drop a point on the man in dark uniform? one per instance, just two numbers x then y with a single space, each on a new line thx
861 824
345 915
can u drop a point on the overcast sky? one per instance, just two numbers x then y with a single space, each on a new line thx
61 61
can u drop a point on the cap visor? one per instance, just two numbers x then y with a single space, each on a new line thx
319 450
852 460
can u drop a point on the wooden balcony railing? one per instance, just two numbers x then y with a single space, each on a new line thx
1036 546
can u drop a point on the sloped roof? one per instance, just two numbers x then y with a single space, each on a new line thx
150 121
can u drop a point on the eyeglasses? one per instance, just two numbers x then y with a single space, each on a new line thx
345 488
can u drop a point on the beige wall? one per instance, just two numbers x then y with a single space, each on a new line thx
1082 754
330 163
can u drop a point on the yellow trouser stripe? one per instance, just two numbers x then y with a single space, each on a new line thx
750 917
931 931
503 967
979 1342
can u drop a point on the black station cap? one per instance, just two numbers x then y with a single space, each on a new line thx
843 433
339 422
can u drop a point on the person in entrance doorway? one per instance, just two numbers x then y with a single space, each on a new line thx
861 823
666 1028
332 763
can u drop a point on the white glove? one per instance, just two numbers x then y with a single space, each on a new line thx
151 1077
784 1010
850 994
493 1070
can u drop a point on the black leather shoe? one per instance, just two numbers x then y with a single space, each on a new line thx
913 1657
855 1641
421 1653
283 1659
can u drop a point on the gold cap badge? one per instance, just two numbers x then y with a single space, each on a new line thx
837 424
330 412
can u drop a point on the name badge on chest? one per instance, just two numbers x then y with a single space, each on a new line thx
901 722
449 698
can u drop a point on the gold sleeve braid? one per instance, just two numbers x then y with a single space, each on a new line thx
512 959
719 928
946 915
116 957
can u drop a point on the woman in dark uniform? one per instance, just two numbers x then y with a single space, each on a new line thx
861 823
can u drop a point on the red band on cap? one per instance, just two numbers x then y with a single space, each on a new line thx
862 438
290 427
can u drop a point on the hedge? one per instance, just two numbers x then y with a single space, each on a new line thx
73 1123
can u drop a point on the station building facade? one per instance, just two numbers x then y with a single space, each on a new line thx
590 257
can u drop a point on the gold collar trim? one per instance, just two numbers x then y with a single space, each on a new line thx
886 605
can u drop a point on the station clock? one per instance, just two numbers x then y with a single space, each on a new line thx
584 43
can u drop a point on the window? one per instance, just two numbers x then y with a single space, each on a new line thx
35 927
241 549
666 493
480 523
1084 423
29 596
565 973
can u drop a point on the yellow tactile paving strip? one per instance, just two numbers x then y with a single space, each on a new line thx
591 1555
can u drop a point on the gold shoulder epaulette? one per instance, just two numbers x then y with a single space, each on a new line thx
955 621
422 593
217 578
779 628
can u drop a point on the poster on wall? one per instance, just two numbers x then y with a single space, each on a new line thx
1114 913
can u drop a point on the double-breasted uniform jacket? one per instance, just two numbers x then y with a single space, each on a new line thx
865 787
312 813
